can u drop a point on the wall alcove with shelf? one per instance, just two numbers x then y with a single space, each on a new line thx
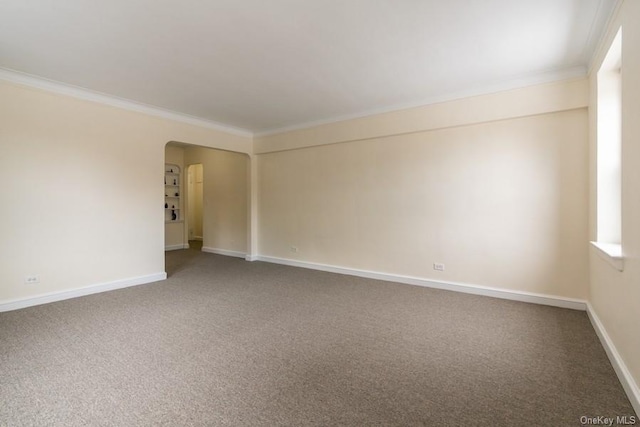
172 193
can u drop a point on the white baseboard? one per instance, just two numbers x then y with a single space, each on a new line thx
625 377
224 252
74 293
552 300
198 238
176 247
252 257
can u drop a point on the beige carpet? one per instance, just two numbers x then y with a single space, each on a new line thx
227 342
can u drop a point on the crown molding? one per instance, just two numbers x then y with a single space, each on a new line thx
89 95
598 27
606 36
101 98
516 83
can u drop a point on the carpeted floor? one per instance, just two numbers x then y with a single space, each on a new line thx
227 342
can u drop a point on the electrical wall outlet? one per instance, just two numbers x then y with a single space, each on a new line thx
293 248
30 280
438 266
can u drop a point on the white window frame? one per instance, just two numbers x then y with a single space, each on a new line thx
609 156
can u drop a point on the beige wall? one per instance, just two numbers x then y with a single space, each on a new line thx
225 197
174 231
82 188
615 295
526 101
501 204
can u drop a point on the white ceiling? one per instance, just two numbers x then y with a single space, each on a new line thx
264 65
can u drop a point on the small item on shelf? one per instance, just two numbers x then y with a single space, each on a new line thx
173 215
177 195
171 170
166 205
174 181
173 206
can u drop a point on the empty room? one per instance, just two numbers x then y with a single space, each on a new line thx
320 212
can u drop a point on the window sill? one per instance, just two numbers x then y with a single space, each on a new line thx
610 252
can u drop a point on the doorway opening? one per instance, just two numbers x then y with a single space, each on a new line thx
213 202
195 174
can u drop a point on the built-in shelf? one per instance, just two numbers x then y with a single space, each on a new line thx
172 176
